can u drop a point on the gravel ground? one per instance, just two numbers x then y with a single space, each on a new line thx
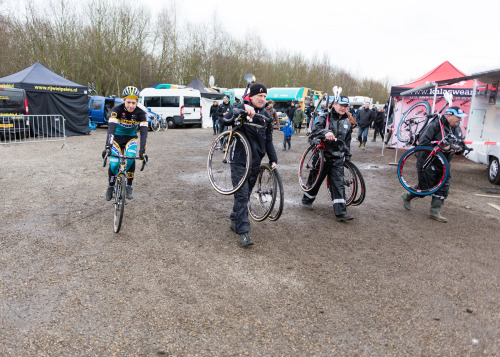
175 282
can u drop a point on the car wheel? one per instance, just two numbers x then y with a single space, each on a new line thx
494 171
171 123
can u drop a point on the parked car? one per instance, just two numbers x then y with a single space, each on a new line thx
13 108
100 109
178 107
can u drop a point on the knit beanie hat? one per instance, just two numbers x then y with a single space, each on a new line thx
257 88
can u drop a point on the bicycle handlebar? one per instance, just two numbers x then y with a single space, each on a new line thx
242 115
341 143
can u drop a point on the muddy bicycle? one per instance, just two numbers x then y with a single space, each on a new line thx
120 186
267 196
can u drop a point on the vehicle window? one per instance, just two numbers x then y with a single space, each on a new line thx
152 101
11 99
192 102
96 105
170 102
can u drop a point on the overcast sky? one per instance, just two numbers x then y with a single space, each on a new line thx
386 39
399 40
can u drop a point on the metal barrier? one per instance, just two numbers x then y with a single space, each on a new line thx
18 129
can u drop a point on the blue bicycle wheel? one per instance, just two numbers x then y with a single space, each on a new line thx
421 171
413 120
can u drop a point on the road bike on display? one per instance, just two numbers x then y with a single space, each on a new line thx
415 119
119 192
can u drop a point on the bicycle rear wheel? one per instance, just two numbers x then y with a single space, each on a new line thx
155 125
413 120
119 202
279 200
263 195
228 149
360 185
311 167
350 185
422 172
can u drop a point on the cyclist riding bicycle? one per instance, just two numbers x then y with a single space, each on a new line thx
429 136
122 137
335 125
261 143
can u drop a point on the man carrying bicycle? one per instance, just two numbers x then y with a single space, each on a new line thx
122 137
333 126
261 143
449 126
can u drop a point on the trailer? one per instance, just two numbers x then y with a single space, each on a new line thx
483 129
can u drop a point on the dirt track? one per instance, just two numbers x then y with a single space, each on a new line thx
175 282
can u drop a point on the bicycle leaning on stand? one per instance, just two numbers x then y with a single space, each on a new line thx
120 185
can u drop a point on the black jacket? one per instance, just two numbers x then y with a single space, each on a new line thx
432 132
365 117
380 117
223 108
260 139
290 111
213 112
340 127
309 110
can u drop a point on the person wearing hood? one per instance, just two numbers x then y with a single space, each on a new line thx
333 126
261 143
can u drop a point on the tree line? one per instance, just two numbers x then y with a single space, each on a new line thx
114 46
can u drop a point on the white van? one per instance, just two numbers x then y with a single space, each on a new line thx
176 106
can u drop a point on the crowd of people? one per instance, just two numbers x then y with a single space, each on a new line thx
334 126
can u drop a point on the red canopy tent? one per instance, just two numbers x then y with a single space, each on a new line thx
462 93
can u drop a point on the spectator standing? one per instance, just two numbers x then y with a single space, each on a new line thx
214 116
298 118
272 112
379 124
309 111
364 118
290 111
287 135
224 108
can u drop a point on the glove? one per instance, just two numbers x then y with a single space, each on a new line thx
141 154
106 151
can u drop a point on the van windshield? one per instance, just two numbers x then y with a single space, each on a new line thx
162 102
11 100
192 102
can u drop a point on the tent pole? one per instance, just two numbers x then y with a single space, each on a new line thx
394 122
434 101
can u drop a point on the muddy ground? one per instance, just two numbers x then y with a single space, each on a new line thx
175 282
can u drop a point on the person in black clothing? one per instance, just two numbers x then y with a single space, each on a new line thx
451 125
291 111
309 111
333 126
364 119
224 108
215 116
261 143
378 124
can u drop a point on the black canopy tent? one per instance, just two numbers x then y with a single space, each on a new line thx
49 93
197 84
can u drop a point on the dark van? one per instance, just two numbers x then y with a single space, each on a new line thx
13 107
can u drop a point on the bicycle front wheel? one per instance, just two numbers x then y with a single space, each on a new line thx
413 120
120 183
163 124
360 185
421 171
263 194
311 167
279 200
350 187
228 149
